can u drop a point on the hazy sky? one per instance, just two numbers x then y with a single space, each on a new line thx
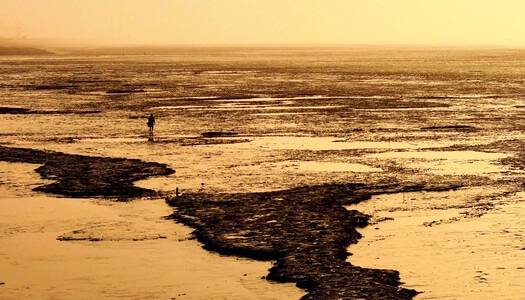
444 22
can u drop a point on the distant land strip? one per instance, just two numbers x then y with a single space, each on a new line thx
23 51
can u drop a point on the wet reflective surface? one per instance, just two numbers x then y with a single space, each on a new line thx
113 250
446 243
303 118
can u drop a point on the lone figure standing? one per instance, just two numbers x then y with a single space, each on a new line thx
151 124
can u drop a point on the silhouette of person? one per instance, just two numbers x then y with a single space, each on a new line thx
151 123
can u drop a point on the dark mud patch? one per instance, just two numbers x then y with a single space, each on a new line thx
201 141
305 230
14 110
212 134
450 128
125 91
26 111
44 87
87 176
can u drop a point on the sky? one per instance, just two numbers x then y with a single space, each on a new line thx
392 22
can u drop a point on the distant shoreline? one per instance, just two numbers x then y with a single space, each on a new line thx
10 47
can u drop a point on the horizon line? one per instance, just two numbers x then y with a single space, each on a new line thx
71 42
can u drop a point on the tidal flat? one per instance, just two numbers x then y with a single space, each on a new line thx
318 157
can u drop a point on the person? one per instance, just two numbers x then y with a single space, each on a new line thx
151 123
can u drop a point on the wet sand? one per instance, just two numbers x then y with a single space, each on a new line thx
306 120
138 254
306 230
253 234
320 210
245 224
412 235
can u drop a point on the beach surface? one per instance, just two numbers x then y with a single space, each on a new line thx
265 168
137 254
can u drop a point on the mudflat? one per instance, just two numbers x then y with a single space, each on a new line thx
305 230
279 155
